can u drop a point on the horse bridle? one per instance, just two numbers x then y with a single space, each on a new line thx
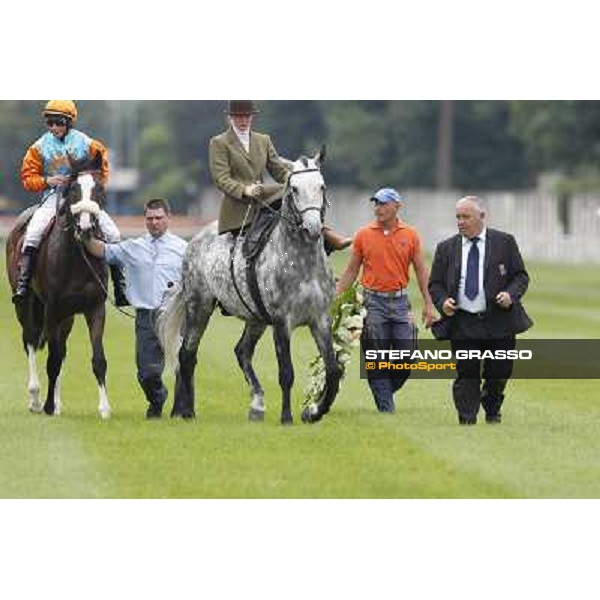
71 222
296 211
71 226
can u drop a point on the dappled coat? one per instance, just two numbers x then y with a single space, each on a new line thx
233 168
48 156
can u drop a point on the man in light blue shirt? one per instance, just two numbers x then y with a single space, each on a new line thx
152 264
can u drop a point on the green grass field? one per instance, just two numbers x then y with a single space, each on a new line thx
547 446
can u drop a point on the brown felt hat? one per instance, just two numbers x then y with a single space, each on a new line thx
241 107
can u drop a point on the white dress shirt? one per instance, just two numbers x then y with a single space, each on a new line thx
151 266
244 137
478 304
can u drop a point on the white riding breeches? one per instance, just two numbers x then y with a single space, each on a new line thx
43 215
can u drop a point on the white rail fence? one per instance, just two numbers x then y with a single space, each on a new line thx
534 219
544 229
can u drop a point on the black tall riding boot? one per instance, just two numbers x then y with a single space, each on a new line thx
26 273
118 278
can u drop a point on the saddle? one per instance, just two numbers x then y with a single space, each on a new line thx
25 217
258 234
253 244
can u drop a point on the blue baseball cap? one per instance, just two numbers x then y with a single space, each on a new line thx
386 195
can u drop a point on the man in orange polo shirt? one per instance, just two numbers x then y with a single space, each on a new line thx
385 249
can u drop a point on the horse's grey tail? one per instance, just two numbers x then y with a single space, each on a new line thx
169 326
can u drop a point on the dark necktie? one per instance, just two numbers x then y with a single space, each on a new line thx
472 281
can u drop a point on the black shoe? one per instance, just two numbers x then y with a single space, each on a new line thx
154 411
493 419
465 421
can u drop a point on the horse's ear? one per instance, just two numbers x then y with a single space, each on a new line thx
320 157
76 166
96 162
72 162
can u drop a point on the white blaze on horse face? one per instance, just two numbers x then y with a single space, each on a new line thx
87 184
310 196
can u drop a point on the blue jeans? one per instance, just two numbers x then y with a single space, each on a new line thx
387 327
149 357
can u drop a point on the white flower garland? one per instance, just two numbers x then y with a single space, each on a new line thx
348 315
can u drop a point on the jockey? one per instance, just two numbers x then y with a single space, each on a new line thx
46 169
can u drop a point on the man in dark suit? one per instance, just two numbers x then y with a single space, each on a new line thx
476 283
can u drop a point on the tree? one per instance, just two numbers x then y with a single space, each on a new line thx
20 124
445 145
561 136
487 153
295 126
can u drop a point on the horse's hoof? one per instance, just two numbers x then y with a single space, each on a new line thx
256 415
311 414
185 415
105 414
287 420
35 404
49 410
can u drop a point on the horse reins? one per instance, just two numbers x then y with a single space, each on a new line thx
100 282
60 190
232 259
296 212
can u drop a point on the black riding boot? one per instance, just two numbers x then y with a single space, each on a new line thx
118 278
254 239
26 273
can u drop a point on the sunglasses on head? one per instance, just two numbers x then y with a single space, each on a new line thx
61 121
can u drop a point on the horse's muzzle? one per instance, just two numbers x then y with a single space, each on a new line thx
312 225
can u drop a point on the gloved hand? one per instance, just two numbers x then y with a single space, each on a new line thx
254 190
57 180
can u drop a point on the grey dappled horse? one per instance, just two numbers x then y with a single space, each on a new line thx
296 285
65 283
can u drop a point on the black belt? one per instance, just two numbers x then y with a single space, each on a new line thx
477 315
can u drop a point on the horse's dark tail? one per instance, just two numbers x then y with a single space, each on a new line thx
169 326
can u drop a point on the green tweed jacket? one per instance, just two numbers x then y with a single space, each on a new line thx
232 169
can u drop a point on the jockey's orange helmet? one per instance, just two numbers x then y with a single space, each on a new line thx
64 108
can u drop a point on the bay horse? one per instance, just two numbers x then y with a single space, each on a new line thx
66 282
296 286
